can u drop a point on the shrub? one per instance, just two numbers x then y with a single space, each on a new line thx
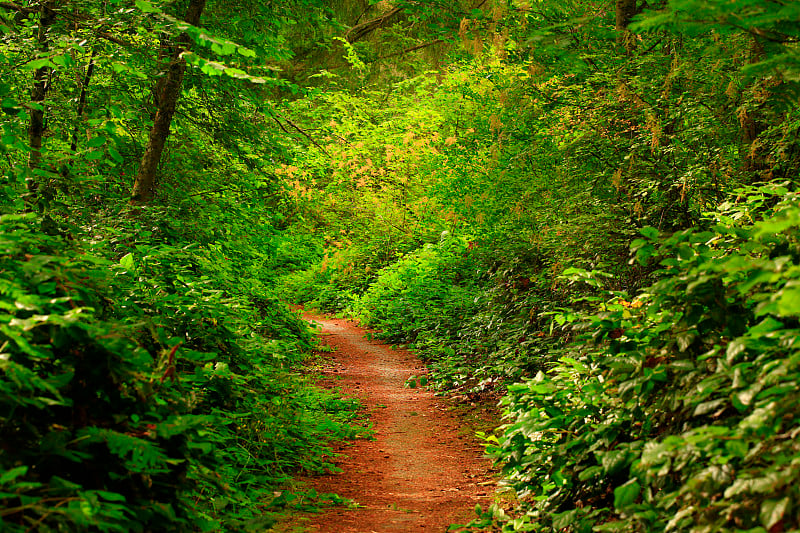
676 409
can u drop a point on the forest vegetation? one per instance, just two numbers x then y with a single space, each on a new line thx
587 208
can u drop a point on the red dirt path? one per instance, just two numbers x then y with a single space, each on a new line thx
422 473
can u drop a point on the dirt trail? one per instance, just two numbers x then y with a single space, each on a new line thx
421 473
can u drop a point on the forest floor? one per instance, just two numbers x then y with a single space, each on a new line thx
421 471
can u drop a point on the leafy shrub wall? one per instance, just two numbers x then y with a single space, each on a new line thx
677 410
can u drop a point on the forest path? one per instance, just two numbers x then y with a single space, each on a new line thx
422 472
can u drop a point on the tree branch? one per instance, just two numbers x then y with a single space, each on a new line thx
108 37
359 31
14 7
275 117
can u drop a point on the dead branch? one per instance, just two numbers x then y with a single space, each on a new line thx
276 116
359 31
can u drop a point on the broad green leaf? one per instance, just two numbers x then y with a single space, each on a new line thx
773 511
649 232
737 448
10 475
146 6
94 142
613 461
733 350
767 325
616 525
789 301
39 63
685 339
626 494
110 496
115 155
127 261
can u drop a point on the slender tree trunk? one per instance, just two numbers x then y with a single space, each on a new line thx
169 91
752 124
166 54
625 11
87 77
41 83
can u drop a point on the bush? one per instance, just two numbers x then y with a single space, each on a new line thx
675 409
151 390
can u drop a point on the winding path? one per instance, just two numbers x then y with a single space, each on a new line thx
422 472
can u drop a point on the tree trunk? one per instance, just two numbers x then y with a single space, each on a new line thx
626 9
169 92
752 125
41 83
87 77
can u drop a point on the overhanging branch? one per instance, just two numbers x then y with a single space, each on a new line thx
15 7
359 31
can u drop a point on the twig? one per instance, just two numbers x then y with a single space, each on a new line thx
338 137
87 77
108 37
364 12
772 36
45 515
299 129
227 188
280 124
558 101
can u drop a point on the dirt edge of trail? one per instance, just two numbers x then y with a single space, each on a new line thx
422 472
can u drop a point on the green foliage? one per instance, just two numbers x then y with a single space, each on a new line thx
423 296
644 395
772 26
84 405
676 410
126 408
149 375
469 181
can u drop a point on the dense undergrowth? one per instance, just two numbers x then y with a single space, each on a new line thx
589 208
150 380
143 384
604 232
674 409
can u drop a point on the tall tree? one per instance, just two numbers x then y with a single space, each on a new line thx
41 82
84 89
625 10
167 94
